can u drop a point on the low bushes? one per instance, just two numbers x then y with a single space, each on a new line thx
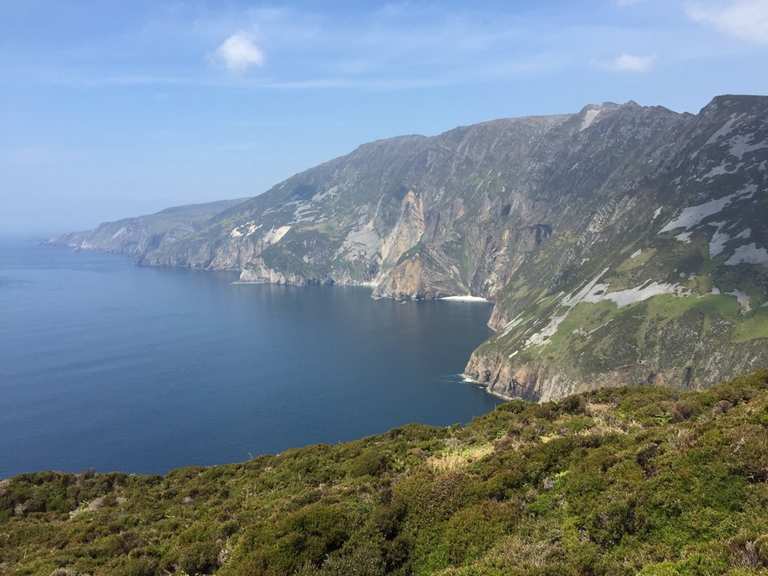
616 482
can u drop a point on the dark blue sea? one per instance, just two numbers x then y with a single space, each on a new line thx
106 365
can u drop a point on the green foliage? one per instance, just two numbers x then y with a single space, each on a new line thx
638 480
370 462
473 530
755 326
142 566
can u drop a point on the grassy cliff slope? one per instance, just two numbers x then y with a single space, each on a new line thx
638 480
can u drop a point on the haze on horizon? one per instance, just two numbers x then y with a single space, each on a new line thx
112 109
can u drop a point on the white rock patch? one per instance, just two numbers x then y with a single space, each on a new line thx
632 295
514 323
120 233
721 170
718 241
569 301
589 117
549 330
742 144
743 299
276 234
693 215
246 229
594 292
748 254
572 299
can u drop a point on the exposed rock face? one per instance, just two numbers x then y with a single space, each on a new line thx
622 244
406 233
650 284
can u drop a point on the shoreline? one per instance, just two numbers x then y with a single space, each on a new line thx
466 298
468 380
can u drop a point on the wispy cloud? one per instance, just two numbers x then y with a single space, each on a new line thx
743 19
239 52
399 46
385 50
373 83
625 62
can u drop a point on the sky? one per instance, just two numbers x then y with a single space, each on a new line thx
111 108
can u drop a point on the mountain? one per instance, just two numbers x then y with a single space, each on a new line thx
139 235
626 481
622 244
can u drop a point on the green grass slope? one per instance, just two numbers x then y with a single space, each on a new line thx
639 480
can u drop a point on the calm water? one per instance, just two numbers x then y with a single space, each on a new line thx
108 366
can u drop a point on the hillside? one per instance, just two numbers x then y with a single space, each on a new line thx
639 480
138 235
622 244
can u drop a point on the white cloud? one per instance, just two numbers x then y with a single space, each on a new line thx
239 52
631 63
743 19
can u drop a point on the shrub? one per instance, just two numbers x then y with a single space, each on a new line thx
473 530
143 566
199 558
308 535
370 462
663 483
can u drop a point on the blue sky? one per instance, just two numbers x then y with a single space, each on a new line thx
111 108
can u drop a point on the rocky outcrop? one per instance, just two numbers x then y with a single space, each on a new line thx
407 231
543 381
258 273
421 274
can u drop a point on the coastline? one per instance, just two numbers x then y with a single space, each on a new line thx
370 285
466 298
469 380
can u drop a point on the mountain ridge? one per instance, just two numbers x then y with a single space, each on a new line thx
133 236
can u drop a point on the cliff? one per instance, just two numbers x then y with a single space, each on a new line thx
621 244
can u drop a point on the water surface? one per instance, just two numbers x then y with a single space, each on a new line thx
109 366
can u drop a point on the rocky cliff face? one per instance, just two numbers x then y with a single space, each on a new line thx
622 244
657 276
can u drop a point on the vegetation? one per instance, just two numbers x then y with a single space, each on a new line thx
638 480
